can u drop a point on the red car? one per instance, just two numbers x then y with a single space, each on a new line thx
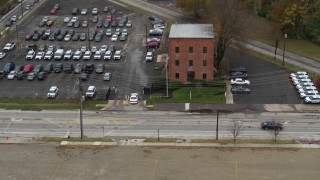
153 40
30 35
53 11
153 44
28 68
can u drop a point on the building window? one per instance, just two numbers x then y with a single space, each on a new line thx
177 75
204 50
190 49
204 76
190 62
177 49
204 62
177 62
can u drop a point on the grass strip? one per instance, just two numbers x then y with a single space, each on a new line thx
243 141
161 140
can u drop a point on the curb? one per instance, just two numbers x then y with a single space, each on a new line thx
214 145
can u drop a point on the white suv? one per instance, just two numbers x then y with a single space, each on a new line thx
91 92
53 92
149 56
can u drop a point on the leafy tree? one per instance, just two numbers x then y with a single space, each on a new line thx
192 5
231 25
312 22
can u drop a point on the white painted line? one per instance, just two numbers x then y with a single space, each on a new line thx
96 143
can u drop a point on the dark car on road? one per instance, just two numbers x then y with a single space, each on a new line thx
271 125
238 69
84 76
42 76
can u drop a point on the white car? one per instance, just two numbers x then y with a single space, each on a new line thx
107 76
159 26
124 32
53 92
9 47
39 56
296 82
14 18
133 98
312 99
114 37
74 19
97 55
83 49
68 54
239 81
117 55
30 55
11 75
149 56
91 92
94 11
48 55
298 73
299 86
67 37
2 55
77 55
104 48
87 55
107 55
94 49
297 77
84 11
66 19
48 32
129 24
45 18
308 93
307 88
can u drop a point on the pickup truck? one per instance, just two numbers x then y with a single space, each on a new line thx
239 81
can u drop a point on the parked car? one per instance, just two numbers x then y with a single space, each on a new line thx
107 55
42 76
53 92
77 55
149 56
312 99
39 56
153 44
21 75
78 68
117 55
133 98
69 68
9 46
89 68
100 68
240 90
97 55
235 75
271 125
58 68
28 68
11 75
2 55
30 55
91 92
84 11
107 76
31 76
239 81
87 55
48 68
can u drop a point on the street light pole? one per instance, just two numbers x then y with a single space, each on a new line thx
81 106
284 46
21 9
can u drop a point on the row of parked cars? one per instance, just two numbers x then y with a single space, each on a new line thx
158 26
305 87
238 78
31 72
58 53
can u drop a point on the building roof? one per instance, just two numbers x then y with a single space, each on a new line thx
191 31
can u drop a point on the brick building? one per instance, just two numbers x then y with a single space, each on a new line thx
191 52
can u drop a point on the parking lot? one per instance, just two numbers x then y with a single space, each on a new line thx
129 74
269 83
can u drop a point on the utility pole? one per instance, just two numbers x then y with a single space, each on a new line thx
21 9
17 34
284 46
217 127
81 101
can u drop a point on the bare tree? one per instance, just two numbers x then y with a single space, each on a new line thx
275 127
235 127
231 23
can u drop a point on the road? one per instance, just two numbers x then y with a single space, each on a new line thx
291 58
16 123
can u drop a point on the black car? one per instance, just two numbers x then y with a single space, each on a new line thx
42 76
21 75
48 68
238 69
271 125
235 75
45 37
76 24
32 47
58 68
106 24
36 37
75 11
41 23
98 37
69 68
42 48
240 90
52 37
92 35
123 37
89 68
9 23
8 67
99 24
75 37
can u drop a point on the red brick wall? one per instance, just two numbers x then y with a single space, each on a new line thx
184 56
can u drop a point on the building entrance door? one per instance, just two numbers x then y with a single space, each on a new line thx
190 76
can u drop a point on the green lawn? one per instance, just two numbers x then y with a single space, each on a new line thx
198 95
